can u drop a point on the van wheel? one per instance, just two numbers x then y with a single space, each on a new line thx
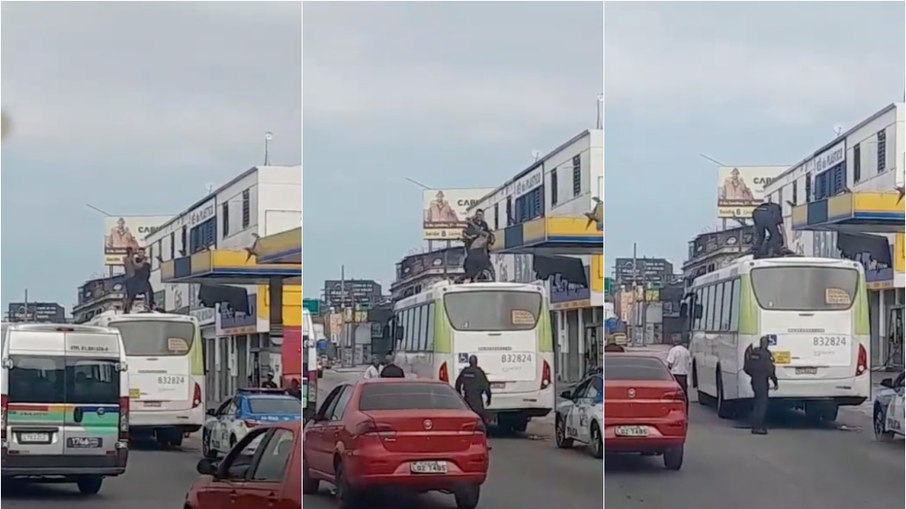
560 431
673 458
597 442
90 485
310 486
724 408
467 496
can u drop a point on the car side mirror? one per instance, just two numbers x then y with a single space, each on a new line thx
206 467
887 382
566 394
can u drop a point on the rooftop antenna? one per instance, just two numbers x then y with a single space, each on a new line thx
838 130
536 154
268 136
209 188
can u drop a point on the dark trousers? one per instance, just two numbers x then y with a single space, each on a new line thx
760 408
683 381
768 238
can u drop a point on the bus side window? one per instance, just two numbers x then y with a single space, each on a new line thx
709 308
430 334
718 305
410 330
727 306
417 340
734 307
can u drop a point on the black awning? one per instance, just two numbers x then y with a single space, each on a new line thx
858 246
237 298
569 268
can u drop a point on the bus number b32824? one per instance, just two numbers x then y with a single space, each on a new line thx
515 358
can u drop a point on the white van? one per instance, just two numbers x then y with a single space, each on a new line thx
65 412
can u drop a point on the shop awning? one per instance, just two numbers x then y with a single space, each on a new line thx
282 248
227 267
853 212
552 236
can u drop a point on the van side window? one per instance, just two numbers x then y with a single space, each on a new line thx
37 379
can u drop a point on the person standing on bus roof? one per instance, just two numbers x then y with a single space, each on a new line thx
391 370
472 383
759 365
679 360
374 370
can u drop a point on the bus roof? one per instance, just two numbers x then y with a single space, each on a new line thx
745 264
441 287
117 315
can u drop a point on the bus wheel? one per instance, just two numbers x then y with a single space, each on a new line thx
821 411
519 423
724 408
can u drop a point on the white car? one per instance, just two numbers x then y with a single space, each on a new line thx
889 411
580 417
249 408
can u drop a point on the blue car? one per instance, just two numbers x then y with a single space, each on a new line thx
249 408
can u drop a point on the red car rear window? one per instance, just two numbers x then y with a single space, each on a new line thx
409 396
635 368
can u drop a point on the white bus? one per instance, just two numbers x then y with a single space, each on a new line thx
166 372
507 326
815 314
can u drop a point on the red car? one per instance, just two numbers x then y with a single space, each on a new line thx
417 435
644 408
262 470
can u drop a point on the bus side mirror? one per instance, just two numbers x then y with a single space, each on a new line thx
399 333
698 312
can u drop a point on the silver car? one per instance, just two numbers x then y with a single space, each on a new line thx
889 411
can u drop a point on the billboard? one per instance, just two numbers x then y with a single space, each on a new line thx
122 232
741 188
444 211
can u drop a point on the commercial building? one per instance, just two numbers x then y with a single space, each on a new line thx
548 220
421 270
36 312
224 260
846 200
97 296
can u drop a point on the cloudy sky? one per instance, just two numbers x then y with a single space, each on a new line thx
450 94
135 108
745 83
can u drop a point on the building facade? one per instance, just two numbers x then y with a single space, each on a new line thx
842 201
261 201
543 215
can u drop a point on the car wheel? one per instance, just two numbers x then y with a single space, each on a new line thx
206 450
881 433
724 408
562 441
90 485
232 441
309 486
346 496
673 458
597 442
467 496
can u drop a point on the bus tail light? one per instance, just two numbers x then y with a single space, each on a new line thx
3 415
545 375
124 418
862 363
312 385
196 396
442 374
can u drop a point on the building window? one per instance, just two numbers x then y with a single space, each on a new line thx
808 187
172 245
225 215
795 192
203 236
183 243
530 205
577 176
857 164
882 150
509 211
246 212
496 216
554 189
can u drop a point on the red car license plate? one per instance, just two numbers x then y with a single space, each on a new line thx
631 431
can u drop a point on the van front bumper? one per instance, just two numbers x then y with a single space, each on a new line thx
64 465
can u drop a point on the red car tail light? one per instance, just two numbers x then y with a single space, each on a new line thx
545 376
124 419
675 395
862 363
369 427
196 396
442 373
3 414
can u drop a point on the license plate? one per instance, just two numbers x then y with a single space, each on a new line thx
428 467
152 404
135 393
84 442
34 438
631 431
806 371
781 357
498 385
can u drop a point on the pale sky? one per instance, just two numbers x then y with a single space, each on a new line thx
135 108
454 95
745 83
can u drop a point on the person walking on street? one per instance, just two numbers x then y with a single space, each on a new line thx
374 370
472 383
391 370
679 360
759 365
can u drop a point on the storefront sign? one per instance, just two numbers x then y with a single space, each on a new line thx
827 159
528 182
231 323
205 316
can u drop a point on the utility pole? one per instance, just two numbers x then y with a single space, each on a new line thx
25 319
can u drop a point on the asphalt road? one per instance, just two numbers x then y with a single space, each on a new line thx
796 466
154 479
527 471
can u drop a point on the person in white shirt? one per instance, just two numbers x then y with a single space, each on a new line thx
374 370
679 360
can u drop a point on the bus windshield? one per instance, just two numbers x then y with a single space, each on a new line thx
805 288
494 310
156 338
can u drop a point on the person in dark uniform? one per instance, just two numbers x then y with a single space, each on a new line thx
477 238
269 383
759 365
391 370
472 383
768 240
295 389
